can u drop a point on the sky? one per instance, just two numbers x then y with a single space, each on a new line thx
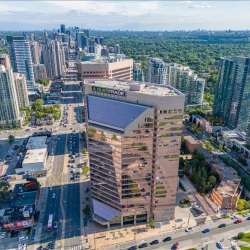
125 15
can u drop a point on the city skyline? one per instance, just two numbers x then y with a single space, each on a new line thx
125 15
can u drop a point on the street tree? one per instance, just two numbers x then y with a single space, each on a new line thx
85 170
4 190
11 138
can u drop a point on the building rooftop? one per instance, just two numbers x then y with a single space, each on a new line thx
191 140
37 142
35 155
133 86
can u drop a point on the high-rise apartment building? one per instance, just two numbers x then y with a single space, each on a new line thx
117 49
232 92
138 72
54 59
5 60
133 137
63 30
20 57
40 71
180 77
35 54
9 109
21 90
81 39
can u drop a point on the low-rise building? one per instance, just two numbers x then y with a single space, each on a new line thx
34 155
229 188
46 120
191 143
206 125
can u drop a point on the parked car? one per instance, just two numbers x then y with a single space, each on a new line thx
167 239
132 248
206 230
222 225
189 229
154 242
55 224
220 245
246 215
176 245
53 195
235 217
23 238
238 221
3 235
143 245
248 218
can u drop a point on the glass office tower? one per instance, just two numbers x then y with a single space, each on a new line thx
133 135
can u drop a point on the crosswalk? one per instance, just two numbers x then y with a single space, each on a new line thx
76 248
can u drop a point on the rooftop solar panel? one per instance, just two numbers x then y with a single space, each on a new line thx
112 112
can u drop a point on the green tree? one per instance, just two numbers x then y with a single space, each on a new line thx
86 211
37 104
4 190
84 151
44 82
85 170
212 180
11 138
151 222
241 235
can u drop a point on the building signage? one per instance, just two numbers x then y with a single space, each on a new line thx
108 91
32 183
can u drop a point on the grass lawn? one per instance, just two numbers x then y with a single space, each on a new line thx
246 238
225 217
241 213
244 248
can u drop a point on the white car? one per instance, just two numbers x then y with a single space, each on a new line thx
3 235
189 229
246 215
22 246
23 238
50 189
54 196
220 245
55 224
235 217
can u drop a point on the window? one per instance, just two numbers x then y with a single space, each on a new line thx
175 111
180 110
165 111
170 111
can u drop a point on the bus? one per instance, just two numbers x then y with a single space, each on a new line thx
50 222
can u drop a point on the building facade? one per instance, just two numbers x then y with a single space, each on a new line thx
133 137
35 53
9 109
39 71
20 57
232 93
104 68
180 77
21 89
138 72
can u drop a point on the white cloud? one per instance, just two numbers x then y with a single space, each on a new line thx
204 6
6 8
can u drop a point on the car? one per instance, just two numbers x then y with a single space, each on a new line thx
72 178
72 171
132 248
176 245
189 229
50 189
3 235
143 245
246 215
206 230
238 221
235 217
197 205
53 195
154 242
248 218
167 239
222 225
55 224
23 238
220 245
